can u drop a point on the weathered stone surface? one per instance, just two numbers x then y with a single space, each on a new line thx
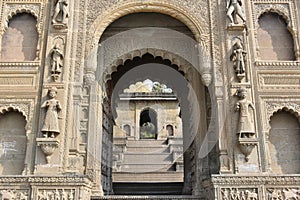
99 43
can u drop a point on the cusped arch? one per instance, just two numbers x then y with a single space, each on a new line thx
21 10
289 110
278 10
183 65
7 109
167 8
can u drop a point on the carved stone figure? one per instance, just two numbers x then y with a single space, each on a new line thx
71 196
225 194
246 121
8 194
234 8
64 195
238 57
251 195
56 195
61 14
51 126
57 58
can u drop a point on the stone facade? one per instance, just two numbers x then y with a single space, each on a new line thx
234 66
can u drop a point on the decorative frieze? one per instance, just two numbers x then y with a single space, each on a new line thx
57 194
239 193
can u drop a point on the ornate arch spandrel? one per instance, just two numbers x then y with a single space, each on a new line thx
12 9
176 10
25 108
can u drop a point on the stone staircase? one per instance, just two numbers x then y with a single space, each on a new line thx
148 167
148 197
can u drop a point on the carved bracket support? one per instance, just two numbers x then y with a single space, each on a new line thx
246 146
48 146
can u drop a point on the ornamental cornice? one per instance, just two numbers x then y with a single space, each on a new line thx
277 64
59 180
256 180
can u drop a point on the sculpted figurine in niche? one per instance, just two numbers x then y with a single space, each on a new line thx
53 107
238 57
57 59
246 121
233 9
61 14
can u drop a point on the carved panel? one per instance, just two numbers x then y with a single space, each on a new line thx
281 80
14 194
239 193
283 193
44 194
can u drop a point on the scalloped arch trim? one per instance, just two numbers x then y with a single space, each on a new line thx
182 64
7 109
289 110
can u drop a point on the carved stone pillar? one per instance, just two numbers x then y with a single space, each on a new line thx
93 168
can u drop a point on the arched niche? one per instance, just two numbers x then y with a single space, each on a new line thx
148 124
275 41
13 142
20 40
170 130
284 145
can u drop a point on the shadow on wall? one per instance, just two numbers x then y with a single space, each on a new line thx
12 143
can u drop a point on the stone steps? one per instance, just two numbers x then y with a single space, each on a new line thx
148 188
147 177
140 168
148 197
147 158
148 149
145 143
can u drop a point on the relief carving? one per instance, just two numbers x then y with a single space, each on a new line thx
13 194
246 120
57 61
246 128
234 9
61 14
238 57
239 194
56 194
283 193
51 125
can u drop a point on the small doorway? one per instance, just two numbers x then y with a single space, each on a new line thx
148 124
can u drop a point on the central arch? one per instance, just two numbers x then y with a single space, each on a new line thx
182 54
